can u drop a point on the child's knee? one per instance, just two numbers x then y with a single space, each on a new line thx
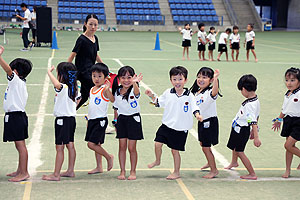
91 145
132 149
158 145
175 152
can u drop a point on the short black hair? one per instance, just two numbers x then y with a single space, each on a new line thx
251 25
248 82
228 30
178 70
293 72
22 66
200 25
23 5
235 27
100 67
212 28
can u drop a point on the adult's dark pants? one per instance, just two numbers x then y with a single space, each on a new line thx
25 37
86 85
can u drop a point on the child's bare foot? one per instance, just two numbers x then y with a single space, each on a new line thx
122 176
205 167
256 60
298 168
110 163
155 163
213 60
67 174
51 177
218 59
231 165
227 60
132 176
201 59
249 177
96 171
286 174
19 178
233 60
13 174
173 176
205 59
247 60
211 175
210 59
237 60
183 58
188 58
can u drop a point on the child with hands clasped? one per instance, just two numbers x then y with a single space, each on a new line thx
15 119
100 95
246 118
128 123
66 98
211 40
179 107
290 116
187 34
206 91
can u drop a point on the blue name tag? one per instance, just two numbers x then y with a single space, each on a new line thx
185 108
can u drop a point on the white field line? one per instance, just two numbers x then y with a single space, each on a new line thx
220 158
82 115
30 84
35 145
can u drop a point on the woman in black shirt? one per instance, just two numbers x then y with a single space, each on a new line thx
85 54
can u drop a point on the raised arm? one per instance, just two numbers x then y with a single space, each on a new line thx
136 79
215 88
98 59
3 64
107 91
71 57
55 82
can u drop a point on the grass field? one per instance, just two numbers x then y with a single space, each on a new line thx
276 52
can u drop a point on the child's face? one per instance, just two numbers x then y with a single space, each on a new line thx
203 81
212 30
92 25
126 81
98 78
178 81
187 26
235 31
249 28
292 83
202 28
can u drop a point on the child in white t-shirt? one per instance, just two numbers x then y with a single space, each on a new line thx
201 41
211 40
235 43
223 44
250 42
187 34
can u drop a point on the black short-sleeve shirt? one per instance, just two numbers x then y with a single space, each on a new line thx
86 52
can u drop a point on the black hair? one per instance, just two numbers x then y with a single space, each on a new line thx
228 30
211 28
67 74
34 8
87 19
122 72
248 82
235 27
178 70
22 66
293 72
200 25
100 67
204 71
251 25
23 5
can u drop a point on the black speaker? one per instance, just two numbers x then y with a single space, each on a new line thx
44 24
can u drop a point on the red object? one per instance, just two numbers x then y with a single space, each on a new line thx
112 77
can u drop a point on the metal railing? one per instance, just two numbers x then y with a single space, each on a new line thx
232 17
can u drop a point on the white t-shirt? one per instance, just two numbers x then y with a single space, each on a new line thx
186 34
27 15
248 114
211 37
222 38
98 104
64 106
291 104
249 36
125 107
206 103
202 35
234 38
15 97
178 110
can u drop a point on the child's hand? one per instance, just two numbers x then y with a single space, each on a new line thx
180 29
257 142
217 73
276 126
199 117
149 93
253 44
138 78
107 84
51 69
1 50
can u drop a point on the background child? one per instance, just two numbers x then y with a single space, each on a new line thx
290 116
179 106
235 43
246 117
211 39
250 42
201 41
15 119
65 87
100 95
129 125
208 129
223 44
187 34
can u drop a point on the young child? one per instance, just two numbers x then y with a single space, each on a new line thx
187 34
65 87
206 90
211 40
235 43
15 119
250 42
290 116
246 118
223 44
179 107
128 123
201 41
100 95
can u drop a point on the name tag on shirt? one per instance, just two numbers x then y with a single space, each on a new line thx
60 122
206 124
6 118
